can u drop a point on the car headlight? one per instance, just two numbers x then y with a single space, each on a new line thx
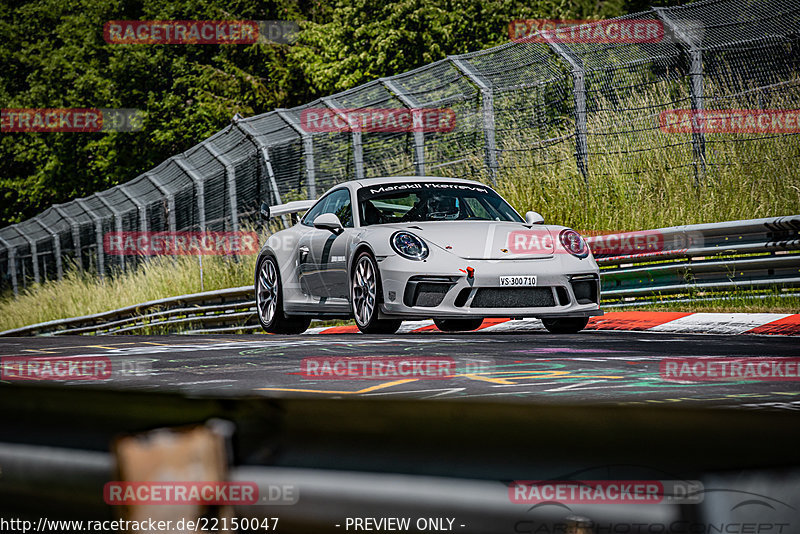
409 246
574 243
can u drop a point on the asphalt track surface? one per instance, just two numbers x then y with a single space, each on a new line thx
590 367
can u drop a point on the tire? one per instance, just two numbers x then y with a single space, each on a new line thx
566 325
365 297
269 301
458 325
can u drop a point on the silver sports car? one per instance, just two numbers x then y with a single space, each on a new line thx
383 250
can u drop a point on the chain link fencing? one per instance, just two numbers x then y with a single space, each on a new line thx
571 107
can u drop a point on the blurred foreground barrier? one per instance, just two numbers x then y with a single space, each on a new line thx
318 461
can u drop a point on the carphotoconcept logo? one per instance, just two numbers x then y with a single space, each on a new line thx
183 32
586 31
384 120
180 243
701 369
720 121
74 120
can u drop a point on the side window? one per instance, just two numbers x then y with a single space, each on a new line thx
338 203
477 208
316 211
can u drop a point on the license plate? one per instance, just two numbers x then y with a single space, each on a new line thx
518 280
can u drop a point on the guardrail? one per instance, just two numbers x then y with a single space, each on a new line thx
749 254
214 309
693 260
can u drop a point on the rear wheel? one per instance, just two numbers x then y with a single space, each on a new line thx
269 301
458 325
365 292
566 325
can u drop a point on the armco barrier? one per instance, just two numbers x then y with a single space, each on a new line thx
692 259
748 254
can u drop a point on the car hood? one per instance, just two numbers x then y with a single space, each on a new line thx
474 240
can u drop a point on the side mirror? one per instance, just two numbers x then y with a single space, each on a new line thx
533 218
264 211
329 221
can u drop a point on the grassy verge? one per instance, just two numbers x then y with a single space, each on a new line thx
81 293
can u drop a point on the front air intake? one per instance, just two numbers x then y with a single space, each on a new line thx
513 297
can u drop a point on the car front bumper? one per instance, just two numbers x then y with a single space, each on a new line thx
565 287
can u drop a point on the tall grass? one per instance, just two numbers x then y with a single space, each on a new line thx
82 293
641 177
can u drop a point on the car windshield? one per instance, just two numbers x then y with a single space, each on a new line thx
431 201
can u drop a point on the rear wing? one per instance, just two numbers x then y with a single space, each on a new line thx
294 207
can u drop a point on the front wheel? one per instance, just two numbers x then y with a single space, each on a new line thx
269 301
458 325
365 292
566 325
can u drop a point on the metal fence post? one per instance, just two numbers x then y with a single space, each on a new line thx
12 264
487 113
199 183
98 229
541 110
76 234
140 206
358 149
419 135
579 92
696 92
56 248
34 251
251 135
117 221
308 151
168 195
230 175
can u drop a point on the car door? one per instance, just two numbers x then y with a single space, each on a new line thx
325 264
307 268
